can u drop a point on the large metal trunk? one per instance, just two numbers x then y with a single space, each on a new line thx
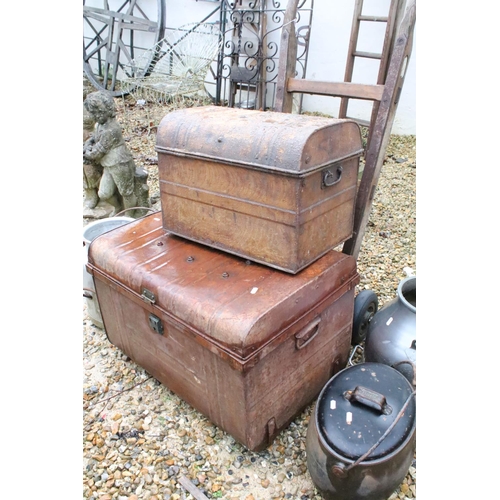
246 345
275 188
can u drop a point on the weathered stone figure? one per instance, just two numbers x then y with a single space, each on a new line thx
106 149
92 172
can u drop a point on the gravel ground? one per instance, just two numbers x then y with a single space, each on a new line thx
140 439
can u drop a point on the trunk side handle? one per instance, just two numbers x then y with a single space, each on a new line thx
307 334
331 176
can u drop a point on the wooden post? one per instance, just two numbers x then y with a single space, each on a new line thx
287 59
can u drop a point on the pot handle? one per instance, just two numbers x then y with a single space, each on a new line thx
370 398
384 435
149 209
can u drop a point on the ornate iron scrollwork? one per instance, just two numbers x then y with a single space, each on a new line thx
248 62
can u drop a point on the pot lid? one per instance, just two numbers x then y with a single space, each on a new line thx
359 404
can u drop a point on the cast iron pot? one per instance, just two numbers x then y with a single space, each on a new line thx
361 437
392 332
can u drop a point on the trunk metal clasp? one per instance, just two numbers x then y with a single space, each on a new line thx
148 296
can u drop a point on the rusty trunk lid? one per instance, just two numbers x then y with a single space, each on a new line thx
228 303
287 143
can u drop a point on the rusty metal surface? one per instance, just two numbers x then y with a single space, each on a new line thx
274 188
288 143
246 345
232 303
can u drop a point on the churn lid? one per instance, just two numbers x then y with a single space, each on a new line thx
359 404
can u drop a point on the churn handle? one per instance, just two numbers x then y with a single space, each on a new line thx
369 398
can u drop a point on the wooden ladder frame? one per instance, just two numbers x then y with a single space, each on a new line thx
384 96
358 18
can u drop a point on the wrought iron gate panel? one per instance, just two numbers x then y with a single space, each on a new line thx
247 67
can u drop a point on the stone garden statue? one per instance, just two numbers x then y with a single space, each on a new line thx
111 181
92 172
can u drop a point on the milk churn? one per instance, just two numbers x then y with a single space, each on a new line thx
361 436
392 332
90 232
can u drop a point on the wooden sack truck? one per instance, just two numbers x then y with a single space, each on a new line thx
384 94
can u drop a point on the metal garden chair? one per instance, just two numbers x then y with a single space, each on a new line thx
180 63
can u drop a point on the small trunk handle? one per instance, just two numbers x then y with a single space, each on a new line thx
331 176
307 334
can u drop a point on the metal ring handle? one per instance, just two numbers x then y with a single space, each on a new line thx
331 178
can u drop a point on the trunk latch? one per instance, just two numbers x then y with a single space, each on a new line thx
156 324
148 296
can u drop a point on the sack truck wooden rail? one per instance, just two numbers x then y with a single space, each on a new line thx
384 96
